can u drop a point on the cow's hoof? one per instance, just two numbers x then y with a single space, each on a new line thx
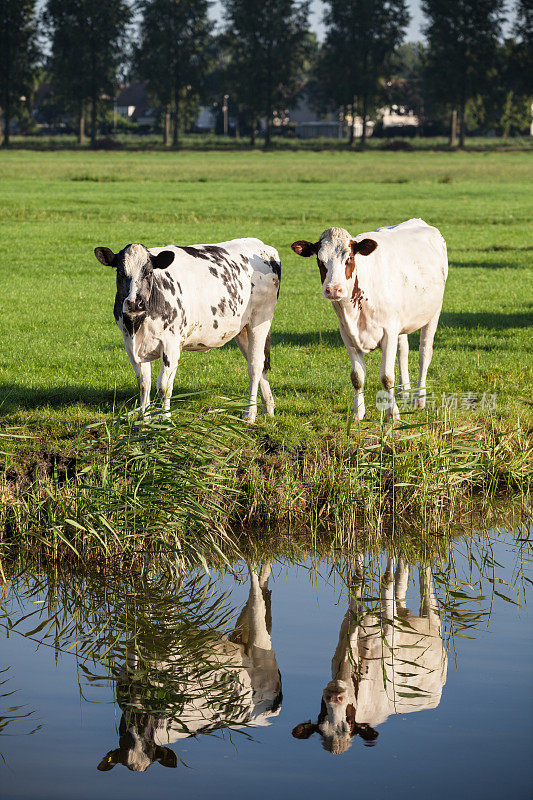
358 416
269 411
421 403
249 417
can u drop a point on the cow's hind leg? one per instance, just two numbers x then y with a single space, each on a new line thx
403 365
401 579
165 380
254 344
425 353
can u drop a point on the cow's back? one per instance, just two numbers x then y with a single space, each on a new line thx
401 669
220 288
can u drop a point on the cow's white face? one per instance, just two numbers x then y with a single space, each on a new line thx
337 720
135 273
335 252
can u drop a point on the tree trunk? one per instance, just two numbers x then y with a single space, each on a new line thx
268 131
7 122
352 126
166 126
94 119
176 115
270 112
364 119
453 128
462 125
253 132
81 126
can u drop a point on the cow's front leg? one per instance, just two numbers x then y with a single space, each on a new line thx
358 375
143 374
165 380
389 346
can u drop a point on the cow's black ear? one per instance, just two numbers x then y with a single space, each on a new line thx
305 249
109 761
105 256
163 259
364 247
166 757
304 730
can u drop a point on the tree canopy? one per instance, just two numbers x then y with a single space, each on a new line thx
18 56
269 40
173 54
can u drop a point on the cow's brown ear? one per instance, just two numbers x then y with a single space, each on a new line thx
305 249
364 247
108 761
304 730
366 732
105 256
163 259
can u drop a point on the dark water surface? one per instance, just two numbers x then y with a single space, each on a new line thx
463 721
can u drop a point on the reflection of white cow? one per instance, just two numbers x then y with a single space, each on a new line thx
385 663
236 682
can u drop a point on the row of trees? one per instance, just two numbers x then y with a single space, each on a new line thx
266 56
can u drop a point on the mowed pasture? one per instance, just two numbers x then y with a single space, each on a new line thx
62 358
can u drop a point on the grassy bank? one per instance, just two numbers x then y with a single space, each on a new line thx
63 365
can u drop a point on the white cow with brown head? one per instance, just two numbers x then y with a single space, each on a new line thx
386 663
383 285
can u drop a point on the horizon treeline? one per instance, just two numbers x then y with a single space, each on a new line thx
467 76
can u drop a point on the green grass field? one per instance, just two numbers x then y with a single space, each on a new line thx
62 359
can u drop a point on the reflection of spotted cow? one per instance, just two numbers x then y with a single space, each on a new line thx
235 682
386 663
172 298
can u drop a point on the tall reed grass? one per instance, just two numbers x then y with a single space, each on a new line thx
183 487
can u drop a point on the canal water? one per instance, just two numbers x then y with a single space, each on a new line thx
356 677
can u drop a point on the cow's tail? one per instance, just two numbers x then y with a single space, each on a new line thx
266 365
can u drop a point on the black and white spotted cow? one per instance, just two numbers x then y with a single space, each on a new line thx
171 299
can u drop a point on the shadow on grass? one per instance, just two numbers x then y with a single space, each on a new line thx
484 265
14 398
488 320
330 338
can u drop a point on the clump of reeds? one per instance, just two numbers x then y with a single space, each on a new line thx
182 487
164 485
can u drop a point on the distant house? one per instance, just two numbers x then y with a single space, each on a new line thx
399 117
132 101
333 125
206 119
312 130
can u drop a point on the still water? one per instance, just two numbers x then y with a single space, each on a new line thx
369 676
